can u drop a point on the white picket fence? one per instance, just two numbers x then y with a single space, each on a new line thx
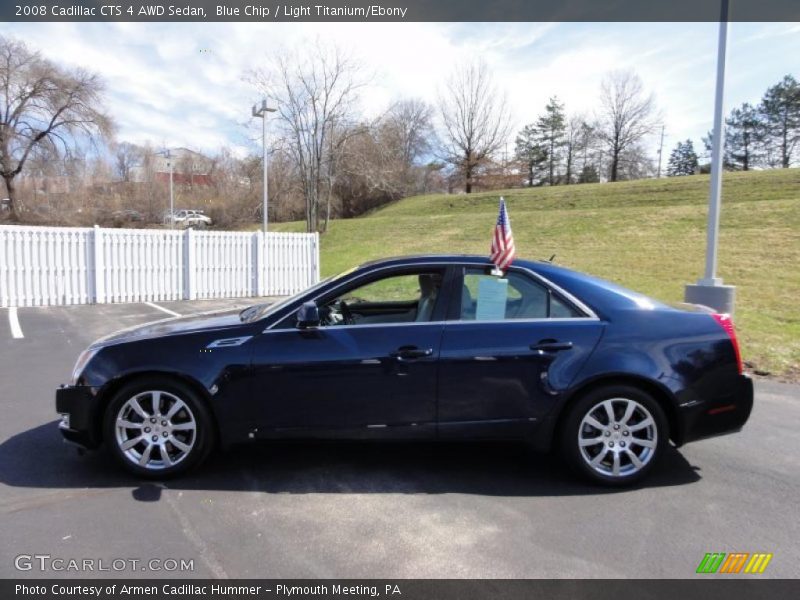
41 266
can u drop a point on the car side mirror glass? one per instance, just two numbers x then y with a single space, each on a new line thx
308 316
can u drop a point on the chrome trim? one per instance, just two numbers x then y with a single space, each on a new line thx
590 314
443 323
229 342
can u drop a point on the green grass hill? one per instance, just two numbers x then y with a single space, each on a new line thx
648 235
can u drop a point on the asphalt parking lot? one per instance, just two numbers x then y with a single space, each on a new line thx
383 511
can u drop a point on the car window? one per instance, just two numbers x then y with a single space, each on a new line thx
486 297
405 298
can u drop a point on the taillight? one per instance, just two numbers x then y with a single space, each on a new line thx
727 324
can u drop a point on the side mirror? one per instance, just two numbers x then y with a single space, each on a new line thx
308 316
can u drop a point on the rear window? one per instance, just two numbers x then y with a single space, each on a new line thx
485 297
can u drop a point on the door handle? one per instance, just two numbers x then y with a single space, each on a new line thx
551 346
410 353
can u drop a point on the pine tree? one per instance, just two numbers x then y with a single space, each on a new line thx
727 161
780 108
530 152
550 130
589 174
744 134
682 160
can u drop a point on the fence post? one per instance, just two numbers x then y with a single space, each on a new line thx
258 264
189 258
316 258
99 283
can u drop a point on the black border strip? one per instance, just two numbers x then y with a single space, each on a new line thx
399 10
707 587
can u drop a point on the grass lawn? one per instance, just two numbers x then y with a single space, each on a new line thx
647 235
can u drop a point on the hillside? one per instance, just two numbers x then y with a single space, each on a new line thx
648 235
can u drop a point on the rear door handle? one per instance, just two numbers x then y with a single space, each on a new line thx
410 353
551 346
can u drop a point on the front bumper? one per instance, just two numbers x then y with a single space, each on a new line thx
724 414
81 426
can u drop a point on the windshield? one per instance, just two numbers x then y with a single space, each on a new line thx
259 311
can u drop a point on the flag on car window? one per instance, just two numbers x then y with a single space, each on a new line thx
503 251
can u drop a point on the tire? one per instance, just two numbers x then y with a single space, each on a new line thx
619 451
162 443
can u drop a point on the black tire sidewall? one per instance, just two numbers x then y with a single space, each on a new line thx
570 450
205 434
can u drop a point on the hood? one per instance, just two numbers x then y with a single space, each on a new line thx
173 326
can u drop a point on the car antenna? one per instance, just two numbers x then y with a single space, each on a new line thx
551 258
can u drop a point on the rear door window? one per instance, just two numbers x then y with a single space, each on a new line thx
486 297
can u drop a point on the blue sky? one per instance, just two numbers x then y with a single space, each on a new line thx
162 88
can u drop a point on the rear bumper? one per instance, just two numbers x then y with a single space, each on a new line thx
77 406
724 414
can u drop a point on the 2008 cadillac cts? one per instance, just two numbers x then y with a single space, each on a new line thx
427 347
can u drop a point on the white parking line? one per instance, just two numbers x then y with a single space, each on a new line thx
162 309
13 320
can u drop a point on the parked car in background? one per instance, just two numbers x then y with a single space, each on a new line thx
189 217
425 347
127 216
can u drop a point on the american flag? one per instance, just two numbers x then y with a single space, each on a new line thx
503 251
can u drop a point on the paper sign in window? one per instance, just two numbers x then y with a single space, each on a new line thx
492 298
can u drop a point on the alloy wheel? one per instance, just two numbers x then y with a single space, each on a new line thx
155 430
617 437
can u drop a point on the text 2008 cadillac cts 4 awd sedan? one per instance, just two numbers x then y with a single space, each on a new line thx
424 347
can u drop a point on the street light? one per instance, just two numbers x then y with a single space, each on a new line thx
709 290
166 154
262 112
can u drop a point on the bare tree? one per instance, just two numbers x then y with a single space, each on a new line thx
576 142
407 130
316 93
126 157
627 115
42 104
475 119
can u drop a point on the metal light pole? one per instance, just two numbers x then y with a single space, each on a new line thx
171 195
262 112
166 154
709 290
660 152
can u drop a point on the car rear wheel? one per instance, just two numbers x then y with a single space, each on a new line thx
614 435
158 428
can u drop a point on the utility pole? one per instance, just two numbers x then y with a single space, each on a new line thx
171 194
262 112
168 155
709 290
660 152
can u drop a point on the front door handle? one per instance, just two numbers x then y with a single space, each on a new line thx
551 346
410 353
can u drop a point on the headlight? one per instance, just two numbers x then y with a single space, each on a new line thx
83 360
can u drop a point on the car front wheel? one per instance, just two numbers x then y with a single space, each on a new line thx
158 428
614 435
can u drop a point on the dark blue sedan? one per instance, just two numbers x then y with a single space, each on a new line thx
424 347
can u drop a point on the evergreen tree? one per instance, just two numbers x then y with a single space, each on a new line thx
744 133
550 130
530 152
727 161
780 109
589 174
683 160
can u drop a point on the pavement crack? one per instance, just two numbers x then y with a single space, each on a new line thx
42 500
194 537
